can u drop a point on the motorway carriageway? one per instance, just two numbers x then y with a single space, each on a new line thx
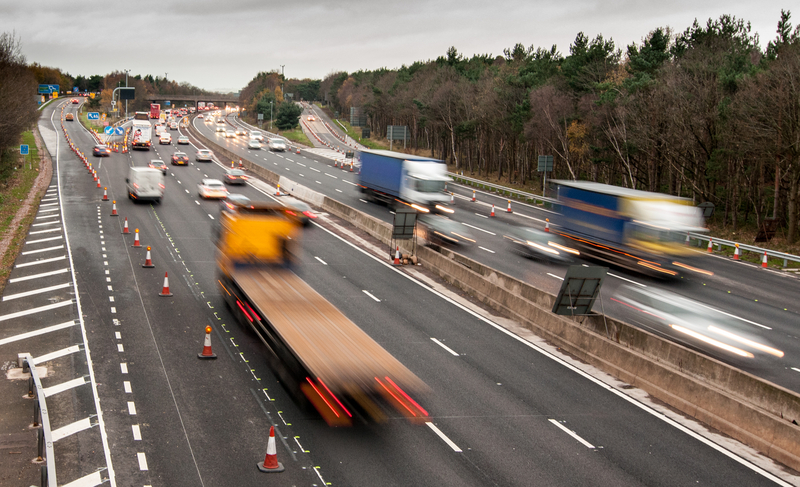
505 410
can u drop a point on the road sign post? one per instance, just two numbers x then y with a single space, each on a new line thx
24 150
545 166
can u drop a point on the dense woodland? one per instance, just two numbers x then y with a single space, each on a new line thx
706 113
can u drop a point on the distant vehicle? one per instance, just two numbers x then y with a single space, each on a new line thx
255 134
232 201
438 230
235 176
212 188
101 151
200 115
165 138
180 159
538 244
240 131
173 126
311 118
75 101
203 155
301 210
69 117
155 111
141 134
221 129
183 140
419 181
159 127
145 183
277 145
158 164
141 116
191 109
253 144
201 105
230 134
220 121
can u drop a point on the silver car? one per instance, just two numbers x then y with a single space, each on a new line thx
203 155
277 145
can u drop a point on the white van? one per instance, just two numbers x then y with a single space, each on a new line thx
255 134
276 144
145 183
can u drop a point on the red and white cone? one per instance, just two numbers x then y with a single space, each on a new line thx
125 228
473 196
397 257
207 353
687 238
165 289
148 262
452 199
546 224
114 210
136 239
764 261
710 246
509 207
492 213
94 175
351 167
271 463
105 194
98 186
736 253
298 150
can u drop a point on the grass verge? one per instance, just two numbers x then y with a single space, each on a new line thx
296 135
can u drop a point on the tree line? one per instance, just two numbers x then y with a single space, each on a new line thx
705 113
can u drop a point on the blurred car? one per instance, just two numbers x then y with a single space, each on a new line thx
253 144
203 155
75 101
300 209
438 230
230 134
694 323
276 144
212 188
183 140
311 118
173 126
165 138
255 134
158 164
538 244
69 117
241 131
221 129
235 176
180 159
159 127
233 201
101 151
200 115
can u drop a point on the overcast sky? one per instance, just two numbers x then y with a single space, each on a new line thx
222 44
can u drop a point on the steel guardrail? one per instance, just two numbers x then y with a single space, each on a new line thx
503 190
50 456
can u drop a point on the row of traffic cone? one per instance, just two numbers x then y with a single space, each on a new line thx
736 253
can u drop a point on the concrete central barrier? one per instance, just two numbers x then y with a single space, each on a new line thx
754 411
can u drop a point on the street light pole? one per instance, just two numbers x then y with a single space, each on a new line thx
284 96
126 100
270 115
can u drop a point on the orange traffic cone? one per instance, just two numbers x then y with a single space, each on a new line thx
736 253
764 261
94 174
98 186
397 257
473 196
165 290
452 199
710 247
125 228
271 463
207 353
114 208
687 238
351 165
509 207
298 150
546 224
492 213
232 165
278 191
105 194
147 261
136 239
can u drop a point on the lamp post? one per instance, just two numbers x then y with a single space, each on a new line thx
270 115
126 85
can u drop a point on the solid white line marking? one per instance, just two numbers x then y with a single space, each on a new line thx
795 369
49 239
142 461
43 261
443 437
49 329
339 190
120 347
123 367
48 210
323 262
70 429
553 275
209 215
571 433
137 433
363 201
734 316
31 311
49 230
91 480
46 216
331 176
131 408
49 199
57 354
453 352
625 279
484 248
482 216
48 249
64 386
370 295
48 204
36 291
313 169
349 182
37 276
480 229
127 386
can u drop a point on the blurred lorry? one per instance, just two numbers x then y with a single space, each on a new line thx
394 178
155 111
641 231
145 184
141 134
314 349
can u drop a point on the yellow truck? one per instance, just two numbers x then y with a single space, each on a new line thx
317 352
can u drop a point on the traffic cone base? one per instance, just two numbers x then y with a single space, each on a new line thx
165 290
271 463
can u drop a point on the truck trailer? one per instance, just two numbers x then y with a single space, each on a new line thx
639 230
155 111
318 353
397 178
141 133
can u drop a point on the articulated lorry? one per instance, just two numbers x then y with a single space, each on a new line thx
641 231
396 178
317 352
141 134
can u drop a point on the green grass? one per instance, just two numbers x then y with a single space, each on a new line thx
296 135
356 135
95 127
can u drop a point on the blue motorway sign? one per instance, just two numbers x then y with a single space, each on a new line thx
75 89
47 89
109 130
24 149
119 131
93 115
